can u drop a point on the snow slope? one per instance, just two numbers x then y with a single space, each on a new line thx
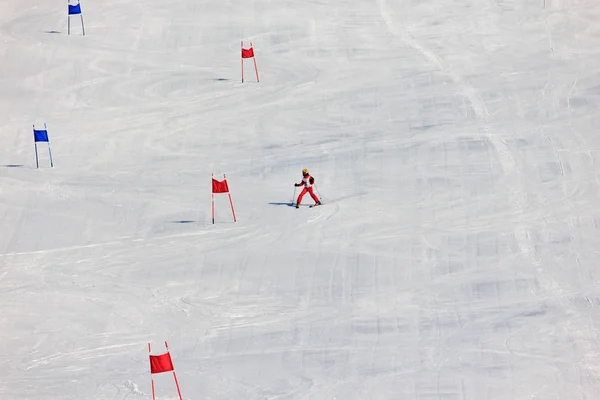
454 141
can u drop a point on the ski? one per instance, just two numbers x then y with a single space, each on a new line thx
304 205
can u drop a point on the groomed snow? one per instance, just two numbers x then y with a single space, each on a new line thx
454 142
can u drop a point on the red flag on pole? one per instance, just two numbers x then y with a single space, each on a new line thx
161 363
248 53
220 186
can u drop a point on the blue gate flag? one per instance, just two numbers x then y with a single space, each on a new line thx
74 9
40 135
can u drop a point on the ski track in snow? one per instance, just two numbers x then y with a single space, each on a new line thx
501 149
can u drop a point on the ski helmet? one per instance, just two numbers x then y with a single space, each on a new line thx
304 171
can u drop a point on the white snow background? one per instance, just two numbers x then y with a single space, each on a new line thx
454 142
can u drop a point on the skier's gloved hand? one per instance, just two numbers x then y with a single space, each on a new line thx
296 184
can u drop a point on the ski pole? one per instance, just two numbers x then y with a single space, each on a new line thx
318 191
294 195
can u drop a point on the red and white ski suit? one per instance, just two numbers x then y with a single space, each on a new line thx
307 187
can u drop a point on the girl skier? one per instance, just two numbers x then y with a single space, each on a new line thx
307 183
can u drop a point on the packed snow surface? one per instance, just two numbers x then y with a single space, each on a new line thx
454 144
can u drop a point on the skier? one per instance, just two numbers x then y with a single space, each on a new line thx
308 182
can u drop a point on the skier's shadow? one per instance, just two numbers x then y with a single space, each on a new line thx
288 204
282 204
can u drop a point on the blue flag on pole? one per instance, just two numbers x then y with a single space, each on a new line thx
41 135
74 9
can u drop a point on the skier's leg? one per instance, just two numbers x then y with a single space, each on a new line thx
301 195
313 195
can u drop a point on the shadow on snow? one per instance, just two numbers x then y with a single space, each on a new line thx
288 204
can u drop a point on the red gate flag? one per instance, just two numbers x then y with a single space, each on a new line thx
248 53
220 186
161 363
